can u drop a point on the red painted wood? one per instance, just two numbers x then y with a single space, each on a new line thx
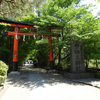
15 47
30 26
50 47
22 26
30 34
16 36
55 27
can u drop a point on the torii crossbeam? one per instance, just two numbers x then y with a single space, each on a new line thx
16 35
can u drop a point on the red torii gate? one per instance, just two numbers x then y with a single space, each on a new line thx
16 35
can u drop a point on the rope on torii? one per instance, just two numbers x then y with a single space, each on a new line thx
24 38
34 36
16 37
31 34
42 37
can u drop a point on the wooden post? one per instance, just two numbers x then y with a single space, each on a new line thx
15 51
51 52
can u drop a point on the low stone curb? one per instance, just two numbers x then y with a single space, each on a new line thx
1 88
86 83
82 81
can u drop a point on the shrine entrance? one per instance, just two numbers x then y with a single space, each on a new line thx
33 33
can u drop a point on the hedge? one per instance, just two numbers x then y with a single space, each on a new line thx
3 72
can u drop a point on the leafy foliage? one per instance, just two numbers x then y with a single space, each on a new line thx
3 71
16 8
78 24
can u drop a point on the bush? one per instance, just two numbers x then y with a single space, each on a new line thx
3 71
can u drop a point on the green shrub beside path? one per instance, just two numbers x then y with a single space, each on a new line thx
3 72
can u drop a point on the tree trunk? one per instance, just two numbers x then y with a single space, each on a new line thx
59 57
87 63
96 63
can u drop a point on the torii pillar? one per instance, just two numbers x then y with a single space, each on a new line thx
51 52
16 34
15 51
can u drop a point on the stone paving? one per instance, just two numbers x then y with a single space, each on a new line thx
90 81
37 84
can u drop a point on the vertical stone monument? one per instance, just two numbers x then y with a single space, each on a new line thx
77 68
77 57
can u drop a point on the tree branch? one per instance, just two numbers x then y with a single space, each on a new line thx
1 1
65 56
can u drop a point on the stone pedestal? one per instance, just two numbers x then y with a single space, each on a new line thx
52 71
78 75
77 57
77 69
14 73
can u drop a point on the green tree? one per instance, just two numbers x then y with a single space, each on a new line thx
78 25
17 8
97 1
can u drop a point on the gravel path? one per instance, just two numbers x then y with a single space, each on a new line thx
37 84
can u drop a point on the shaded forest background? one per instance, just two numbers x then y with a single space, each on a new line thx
77 21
